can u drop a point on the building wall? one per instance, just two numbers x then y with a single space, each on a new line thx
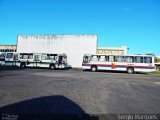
75 46
8 48
112 50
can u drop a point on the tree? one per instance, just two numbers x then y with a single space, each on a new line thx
157 60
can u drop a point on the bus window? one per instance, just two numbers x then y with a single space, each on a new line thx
107 58
30 56
2 57
111 58
48 57
119 59
129 59
20 56
65 59
25 56
37 57
102 58
138 59
15 57
44 56
9 55
53 56
94 58
147 59
86 59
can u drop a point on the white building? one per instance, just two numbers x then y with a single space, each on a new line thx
75 46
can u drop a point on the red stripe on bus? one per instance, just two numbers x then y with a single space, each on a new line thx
110 65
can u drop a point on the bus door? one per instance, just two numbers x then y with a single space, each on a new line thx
60 60
37 60
15 59
9 59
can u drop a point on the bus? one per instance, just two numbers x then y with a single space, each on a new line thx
2 58
128 63
47 60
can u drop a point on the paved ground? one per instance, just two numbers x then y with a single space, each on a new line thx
76 91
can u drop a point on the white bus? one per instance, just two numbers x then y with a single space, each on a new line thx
2 58
47 60
129 63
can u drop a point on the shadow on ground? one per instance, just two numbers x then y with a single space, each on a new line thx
9 68
45 108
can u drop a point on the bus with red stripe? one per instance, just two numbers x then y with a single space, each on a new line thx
128 63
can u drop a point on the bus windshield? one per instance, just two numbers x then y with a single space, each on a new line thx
9 55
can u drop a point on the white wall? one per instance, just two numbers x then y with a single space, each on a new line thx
75 46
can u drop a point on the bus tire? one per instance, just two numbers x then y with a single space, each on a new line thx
94 68
22 65
52 67
130 70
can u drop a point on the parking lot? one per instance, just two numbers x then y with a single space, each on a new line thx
75 91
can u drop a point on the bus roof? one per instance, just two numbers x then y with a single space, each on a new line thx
119 55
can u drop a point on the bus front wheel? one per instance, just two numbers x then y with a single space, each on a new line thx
52 67
130 70
94 68
22 65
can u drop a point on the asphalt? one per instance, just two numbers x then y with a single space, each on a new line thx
43 91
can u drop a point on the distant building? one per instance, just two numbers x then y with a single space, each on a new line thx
8 48
112 50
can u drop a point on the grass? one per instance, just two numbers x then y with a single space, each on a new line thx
155 72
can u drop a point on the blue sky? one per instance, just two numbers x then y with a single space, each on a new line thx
132 23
